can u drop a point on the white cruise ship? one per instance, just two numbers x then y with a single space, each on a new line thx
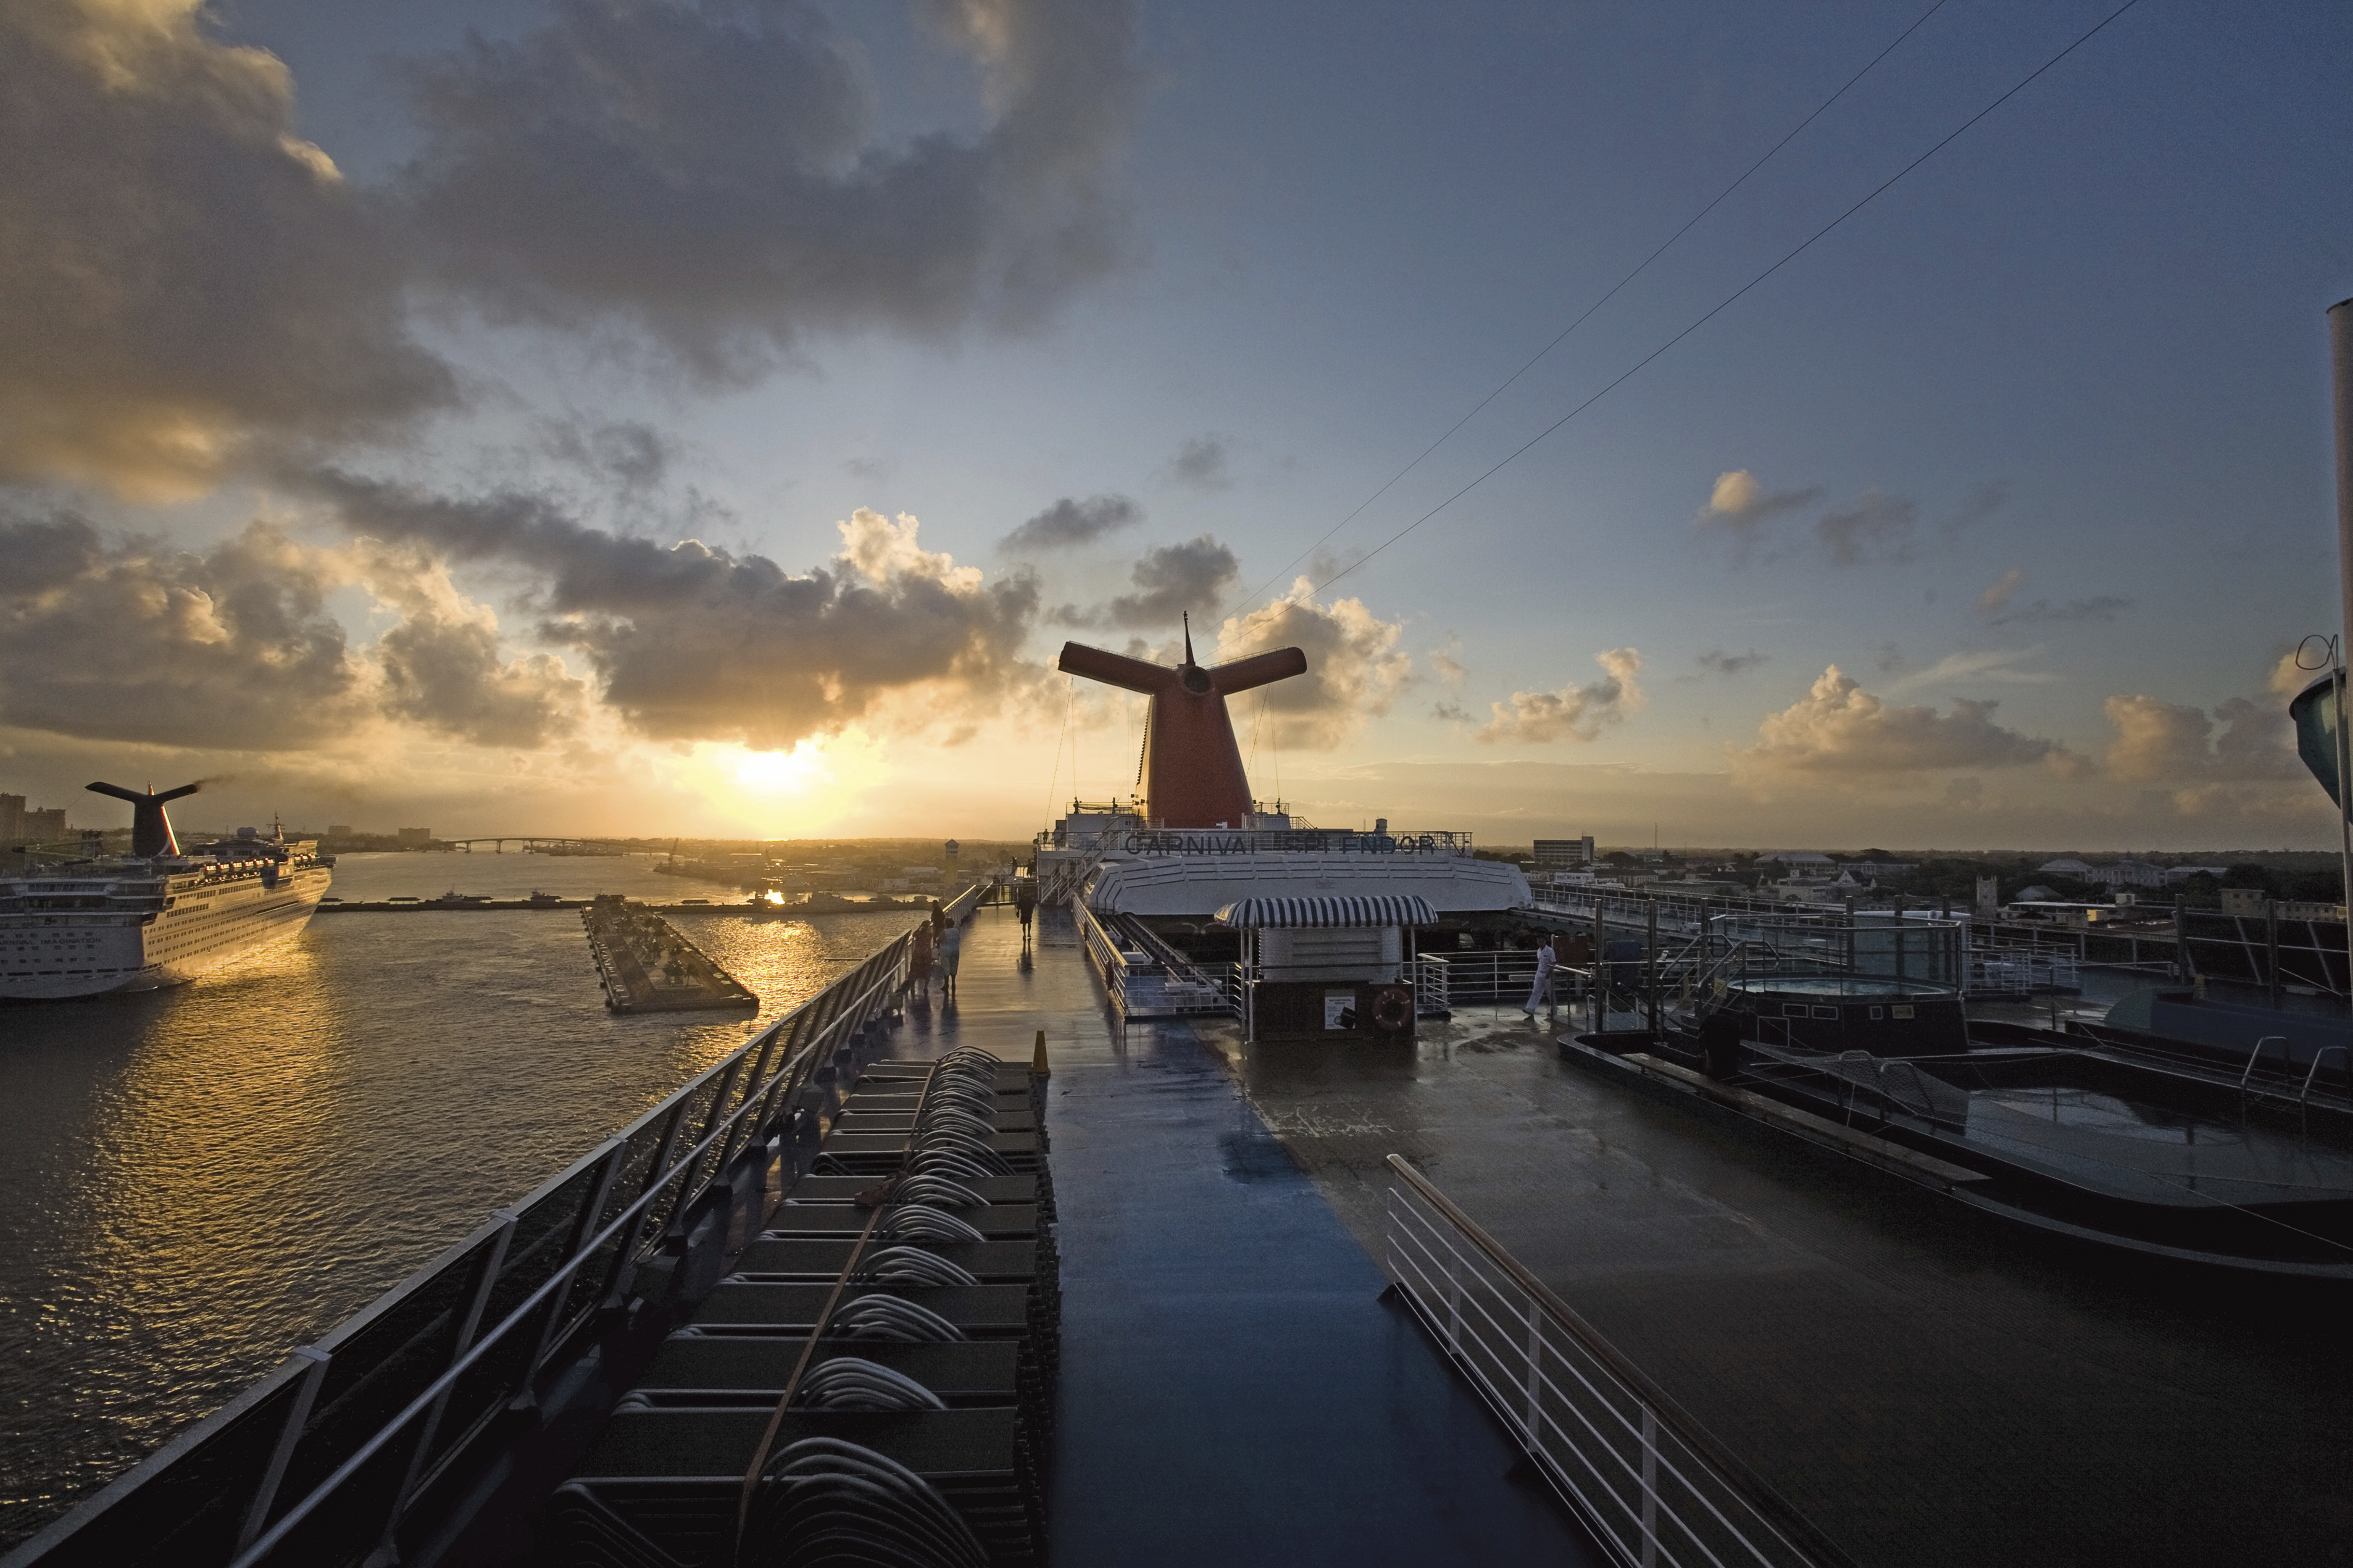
159 916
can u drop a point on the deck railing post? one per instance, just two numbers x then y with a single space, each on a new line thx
1649 1487
1454 1299
1535 1370
298 1415
583 1228
617 1277
420 1460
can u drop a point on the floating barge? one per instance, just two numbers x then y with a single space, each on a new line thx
646 966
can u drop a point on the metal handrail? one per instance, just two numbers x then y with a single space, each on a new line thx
2313 1070
2256 1054
1617 1497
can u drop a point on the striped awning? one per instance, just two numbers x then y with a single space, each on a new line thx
1333 910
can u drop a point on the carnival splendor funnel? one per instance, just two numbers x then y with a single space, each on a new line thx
1193 773
151 829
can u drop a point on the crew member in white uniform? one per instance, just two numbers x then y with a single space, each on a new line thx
1546 958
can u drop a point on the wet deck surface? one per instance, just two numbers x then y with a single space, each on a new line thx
1233 1390
1929 1387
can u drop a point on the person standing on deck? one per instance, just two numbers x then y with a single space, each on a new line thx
1546 958
951 949
919 963
1025 906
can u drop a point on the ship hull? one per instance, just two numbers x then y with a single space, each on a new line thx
60 959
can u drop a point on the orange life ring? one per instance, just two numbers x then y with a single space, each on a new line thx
1392 1010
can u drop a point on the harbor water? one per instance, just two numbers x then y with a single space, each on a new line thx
204 1177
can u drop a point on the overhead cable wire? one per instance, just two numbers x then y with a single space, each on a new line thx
1689 224
1730 299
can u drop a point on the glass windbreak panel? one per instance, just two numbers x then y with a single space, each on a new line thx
190 1511
383 1366
495 1377
541 1240
346 1525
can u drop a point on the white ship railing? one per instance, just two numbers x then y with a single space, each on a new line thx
1654 1489
325 1460
1157 985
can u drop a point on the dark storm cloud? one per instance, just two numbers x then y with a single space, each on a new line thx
230 647
183 277
709 172
690 642
177 269
1072 523
441 665
1170 580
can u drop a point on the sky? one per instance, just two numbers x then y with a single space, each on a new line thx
649 416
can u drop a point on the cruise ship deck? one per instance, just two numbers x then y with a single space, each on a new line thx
1233 1387
1925 1385
1918 1383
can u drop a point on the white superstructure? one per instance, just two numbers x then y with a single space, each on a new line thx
135 925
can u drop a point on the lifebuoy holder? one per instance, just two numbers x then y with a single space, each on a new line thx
1392 1010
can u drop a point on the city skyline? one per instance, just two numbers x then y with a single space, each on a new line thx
560 417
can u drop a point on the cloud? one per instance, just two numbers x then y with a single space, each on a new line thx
690 642
2171 742
1451 712
1717 661
712 175
1448 662
1985 664
1839 728
1069 522
629 453
441 665
1200 464
2289 677
1979 504
1573 712
1355 669
1739 505
2043 612
230 647
180 273
2008 583
1170 581
1877 528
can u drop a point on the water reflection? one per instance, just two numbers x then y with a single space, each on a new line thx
204 1177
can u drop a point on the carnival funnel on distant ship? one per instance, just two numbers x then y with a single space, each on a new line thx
1192 769
151 829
